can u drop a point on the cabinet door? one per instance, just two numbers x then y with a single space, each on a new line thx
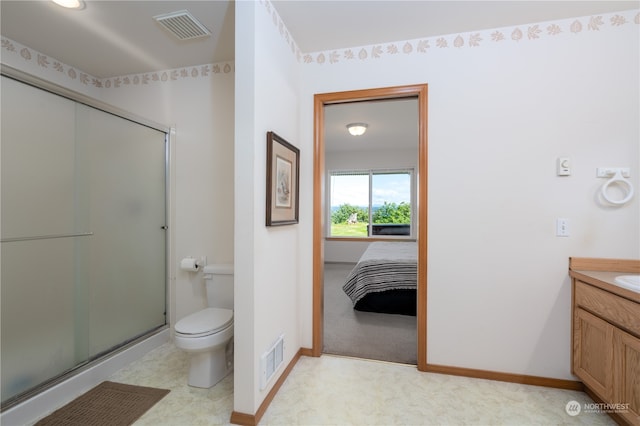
593 353
627 372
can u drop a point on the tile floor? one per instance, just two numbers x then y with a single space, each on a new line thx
334 390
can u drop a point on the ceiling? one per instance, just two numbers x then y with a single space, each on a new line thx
330 24
109 38
393 124
114 38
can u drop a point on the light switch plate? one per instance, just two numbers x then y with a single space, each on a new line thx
562 227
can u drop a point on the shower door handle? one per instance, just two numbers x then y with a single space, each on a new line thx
45 237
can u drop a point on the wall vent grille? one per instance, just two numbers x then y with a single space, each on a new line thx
183 25
270 361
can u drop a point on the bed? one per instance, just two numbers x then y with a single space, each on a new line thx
385 279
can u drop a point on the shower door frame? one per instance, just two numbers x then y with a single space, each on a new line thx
169 132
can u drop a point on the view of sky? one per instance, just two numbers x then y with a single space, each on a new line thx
354 189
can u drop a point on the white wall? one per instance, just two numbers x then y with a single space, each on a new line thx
503 105
350 251
267 258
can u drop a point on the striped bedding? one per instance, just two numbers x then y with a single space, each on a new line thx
384 267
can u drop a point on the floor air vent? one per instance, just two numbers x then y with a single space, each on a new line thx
270 361
183 25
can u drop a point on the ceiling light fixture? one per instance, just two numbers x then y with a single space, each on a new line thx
357 129
70 4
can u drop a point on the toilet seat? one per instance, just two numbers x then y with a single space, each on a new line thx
205 322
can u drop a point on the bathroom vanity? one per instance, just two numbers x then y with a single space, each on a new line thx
606 334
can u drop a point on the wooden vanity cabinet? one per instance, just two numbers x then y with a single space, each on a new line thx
593 353
626 362
606 344
607 360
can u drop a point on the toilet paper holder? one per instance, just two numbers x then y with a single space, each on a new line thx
191 264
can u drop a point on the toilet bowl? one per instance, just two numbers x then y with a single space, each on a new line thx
207 335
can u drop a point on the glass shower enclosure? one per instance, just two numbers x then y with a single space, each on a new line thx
83 235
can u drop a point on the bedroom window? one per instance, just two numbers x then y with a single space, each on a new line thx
371 203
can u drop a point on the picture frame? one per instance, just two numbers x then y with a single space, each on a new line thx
283 179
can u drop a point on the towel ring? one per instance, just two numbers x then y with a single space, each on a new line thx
618 178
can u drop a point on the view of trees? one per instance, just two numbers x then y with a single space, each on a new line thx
393 213
368 203
387 213
344 212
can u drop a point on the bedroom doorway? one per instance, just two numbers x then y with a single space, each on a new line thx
418 93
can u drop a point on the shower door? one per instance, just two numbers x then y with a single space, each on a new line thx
83 259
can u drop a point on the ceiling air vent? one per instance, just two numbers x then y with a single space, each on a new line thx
183 25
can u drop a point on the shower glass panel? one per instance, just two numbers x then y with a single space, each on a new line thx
124 191
83 255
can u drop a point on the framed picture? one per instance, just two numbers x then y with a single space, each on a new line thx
283 169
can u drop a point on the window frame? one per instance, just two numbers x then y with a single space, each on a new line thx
370 172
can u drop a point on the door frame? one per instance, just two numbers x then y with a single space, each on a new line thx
418 91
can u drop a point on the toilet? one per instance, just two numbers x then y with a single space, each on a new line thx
207 335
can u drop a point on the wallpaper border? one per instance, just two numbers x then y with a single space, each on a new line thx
421 46
516 34
50 65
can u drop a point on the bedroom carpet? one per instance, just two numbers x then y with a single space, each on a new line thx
368 335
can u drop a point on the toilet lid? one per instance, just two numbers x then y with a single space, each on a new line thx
206 321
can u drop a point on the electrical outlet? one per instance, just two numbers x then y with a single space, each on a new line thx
562 227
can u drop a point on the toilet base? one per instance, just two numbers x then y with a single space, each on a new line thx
208 368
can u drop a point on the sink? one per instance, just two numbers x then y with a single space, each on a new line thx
630 282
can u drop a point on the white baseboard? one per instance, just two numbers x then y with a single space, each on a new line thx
33 409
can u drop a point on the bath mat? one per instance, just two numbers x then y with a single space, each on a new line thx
108 404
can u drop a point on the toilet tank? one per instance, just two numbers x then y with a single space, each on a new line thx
218 280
